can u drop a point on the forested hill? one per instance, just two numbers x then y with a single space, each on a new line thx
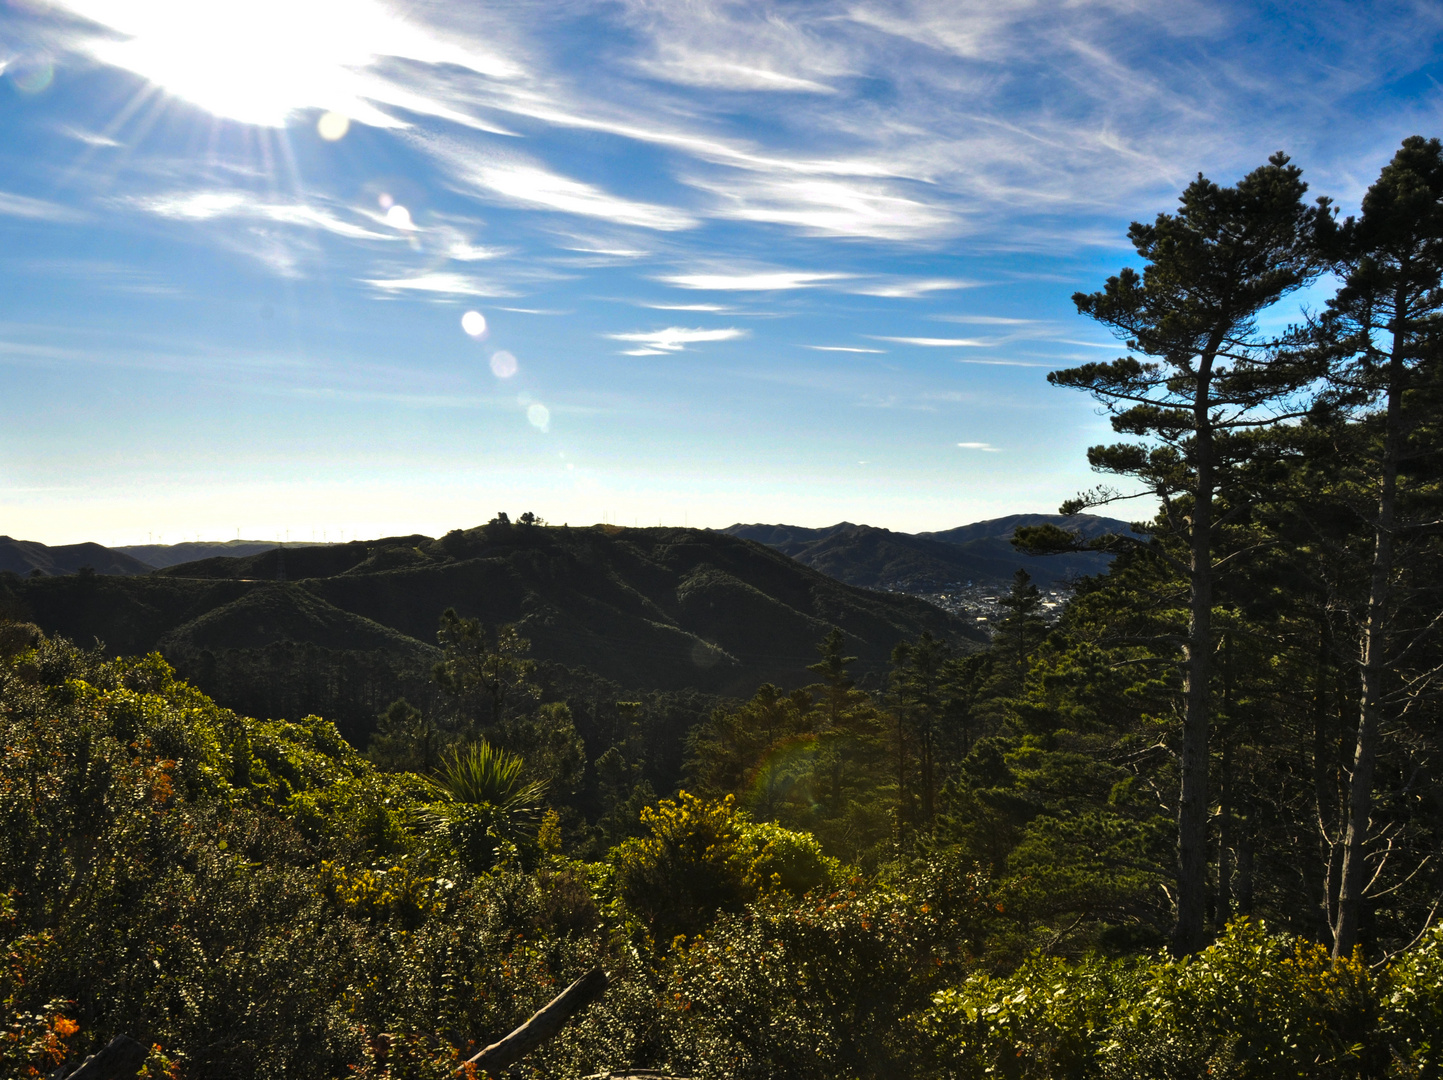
161 555
664 608
923 562
28 557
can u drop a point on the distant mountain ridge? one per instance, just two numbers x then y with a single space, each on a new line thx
160 556
1087 525
980 553
861 555
664 609
26 557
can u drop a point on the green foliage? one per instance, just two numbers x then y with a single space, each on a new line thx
482 773
483 674
253 926
484 809
1412 1009
254 898
702 857
1253 1005
820 989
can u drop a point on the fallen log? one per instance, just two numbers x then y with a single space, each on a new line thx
542 1026
120 1059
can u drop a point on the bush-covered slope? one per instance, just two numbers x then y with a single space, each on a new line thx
162 555
663 609
28 557
256 900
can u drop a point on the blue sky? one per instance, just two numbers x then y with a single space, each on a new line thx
728 261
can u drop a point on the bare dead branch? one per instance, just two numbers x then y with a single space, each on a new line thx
544 1025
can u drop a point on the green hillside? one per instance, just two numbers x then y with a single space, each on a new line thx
644 609
40 560
159 555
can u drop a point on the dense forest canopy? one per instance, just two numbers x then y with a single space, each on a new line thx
1190 828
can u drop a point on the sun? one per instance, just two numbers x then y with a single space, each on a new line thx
254 61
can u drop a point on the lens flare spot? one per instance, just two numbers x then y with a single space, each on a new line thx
385 200
333 126
30 76
398 217
503 366
474 323
540 417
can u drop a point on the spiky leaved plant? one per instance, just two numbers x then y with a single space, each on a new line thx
484 804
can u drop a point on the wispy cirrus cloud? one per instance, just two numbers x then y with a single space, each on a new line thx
24 206
728 45
827 206
1043 106
986 320
533 185
911 289
752 280
1002 363
674 339
986 448
90 138
718 308
462 250
443 283
936 342
210 205
515 180
843 348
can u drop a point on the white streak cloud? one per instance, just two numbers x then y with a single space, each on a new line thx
440 282
827 206
23 206
520 182
986 320
535 186
936 342
674 339
208 205
755 281
910 290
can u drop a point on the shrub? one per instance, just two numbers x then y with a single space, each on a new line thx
702 857
1253 1005
1412 1009
820 988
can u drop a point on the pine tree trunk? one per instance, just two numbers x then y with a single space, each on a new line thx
1324 802
1245 863
1192 811
1225 839
1374 667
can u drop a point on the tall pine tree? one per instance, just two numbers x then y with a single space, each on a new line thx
1205 380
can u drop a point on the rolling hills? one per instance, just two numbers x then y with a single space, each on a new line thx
29 558
980 553
656 609
162 555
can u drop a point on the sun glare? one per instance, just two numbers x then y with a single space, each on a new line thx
503 364
333 125
261 61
